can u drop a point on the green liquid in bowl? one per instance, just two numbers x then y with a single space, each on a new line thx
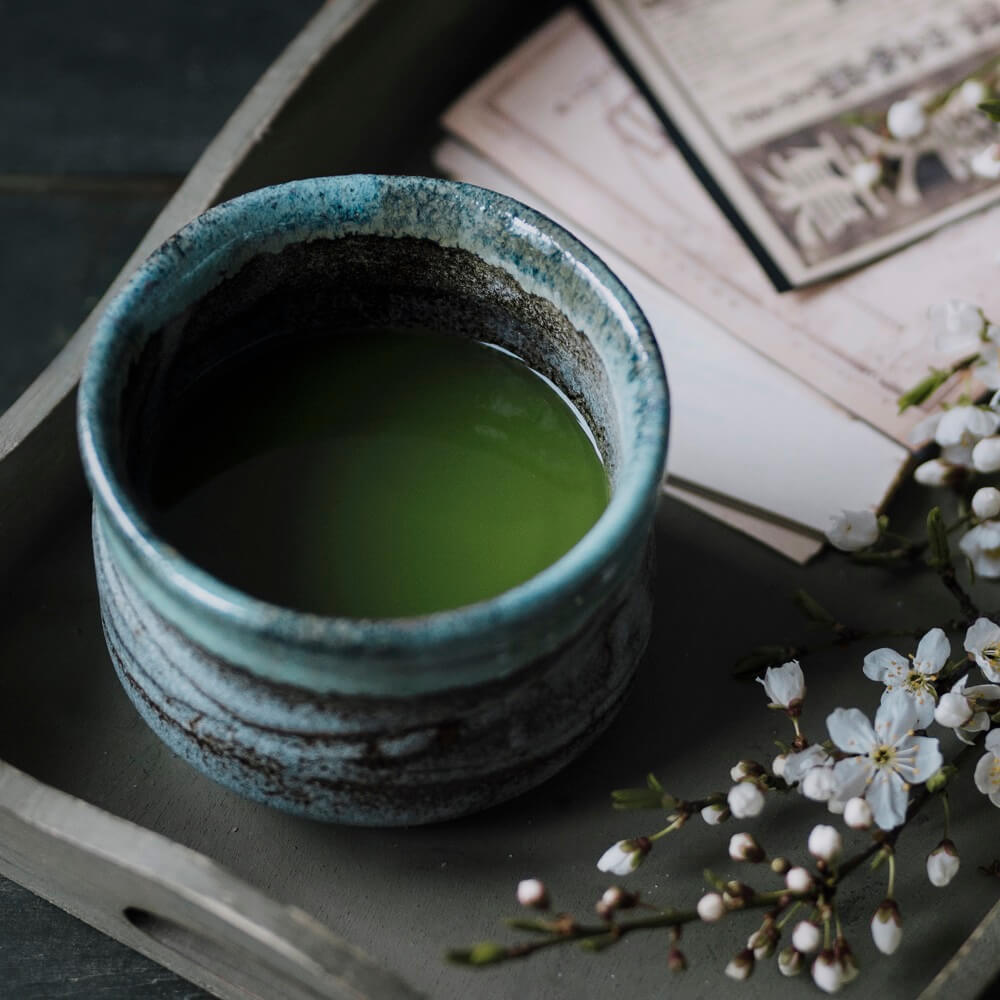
374 474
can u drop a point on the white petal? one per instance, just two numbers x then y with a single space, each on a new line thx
934 472
798 764
888 797
853 530
982 633
993 742
850 730
952 710
956 325
923 705
784 684
852 775
878 663
926 760
932 651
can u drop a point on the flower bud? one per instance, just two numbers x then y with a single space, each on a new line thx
953 710
745 800
625 856
763 941
798 880
866 173
778 765
676 961
986 455
711 907
887 927
806 937
937 472
825 843
743 847
942 863
780 866
827 972
906 119
857 813
715 814
745 769
819 784
790 961
973 92
986 163
986 503
531 892
741 965
848 963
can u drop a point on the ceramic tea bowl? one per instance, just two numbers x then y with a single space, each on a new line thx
385 721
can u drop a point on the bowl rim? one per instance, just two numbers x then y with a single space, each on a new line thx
188 586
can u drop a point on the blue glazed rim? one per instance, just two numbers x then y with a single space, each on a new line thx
376 656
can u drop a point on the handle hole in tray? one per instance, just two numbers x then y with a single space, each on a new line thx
244 973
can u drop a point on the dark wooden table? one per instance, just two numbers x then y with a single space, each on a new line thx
104 107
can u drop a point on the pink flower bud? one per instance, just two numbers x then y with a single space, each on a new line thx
531 892
711 907
741 965
743 847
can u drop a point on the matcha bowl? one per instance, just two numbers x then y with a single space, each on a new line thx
377 721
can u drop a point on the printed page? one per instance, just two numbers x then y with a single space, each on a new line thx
779 102
562 117
734 413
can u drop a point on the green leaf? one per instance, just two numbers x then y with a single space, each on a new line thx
639 798
481 953
653 782
924 389
991 109
811 608
714 881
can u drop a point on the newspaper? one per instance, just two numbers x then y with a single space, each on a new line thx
779 100
735 414
561 116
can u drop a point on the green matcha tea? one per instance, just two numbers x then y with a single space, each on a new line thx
376 473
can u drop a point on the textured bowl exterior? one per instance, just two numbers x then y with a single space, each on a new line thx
393 721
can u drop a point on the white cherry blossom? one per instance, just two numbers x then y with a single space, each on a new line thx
982 545
962 426
982 642
785 686
885 759
967 709
916 676
853 530
987 773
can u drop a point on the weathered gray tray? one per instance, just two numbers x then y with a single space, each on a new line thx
98 817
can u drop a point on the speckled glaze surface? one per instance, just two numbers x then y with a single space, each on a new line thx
392 721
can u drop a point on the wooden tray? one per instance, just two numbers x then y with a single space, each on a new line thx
98 817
